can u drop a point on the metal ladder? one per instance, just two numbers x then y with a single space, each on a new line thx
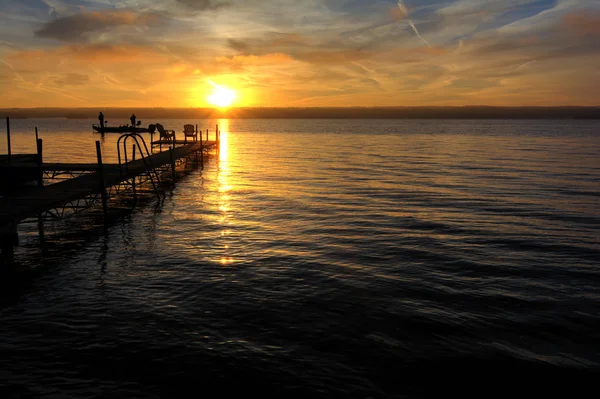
149 169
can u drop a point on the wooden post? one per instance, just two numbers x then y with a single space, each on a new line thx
172 163
132 160
36 134
101 180
206 134
196 136
8 137
217 133
40 162
201 154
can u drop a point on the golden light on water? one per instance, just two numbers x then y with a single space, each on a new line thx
224 149
224 187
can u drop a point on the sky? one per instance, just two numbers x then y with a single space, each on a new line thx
299 53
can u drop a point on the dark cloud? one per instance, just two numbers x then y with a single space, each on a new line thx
75 28
302 49
238 45
204 5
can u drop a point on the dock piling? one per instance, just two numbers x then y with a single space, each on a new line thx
201 154
132 160
101 180
172 163
40 162
8 138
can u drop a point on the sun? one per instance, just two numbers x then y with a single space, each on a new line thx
221 96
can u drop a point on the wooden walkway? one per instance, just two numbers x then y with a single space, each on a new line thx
30 202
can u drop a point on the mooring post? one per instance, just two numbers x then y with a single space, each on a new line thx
201 154
206 134
172 163
101 180
132 160
40 162
8 137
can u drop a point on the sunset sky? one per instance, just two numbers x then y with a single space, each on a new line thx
299 52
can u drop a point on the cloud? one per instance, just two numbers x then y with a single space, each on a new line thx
75 28
203 5
268 43
342 56
404 11
72 79
583 24
99 53
255 60
467 7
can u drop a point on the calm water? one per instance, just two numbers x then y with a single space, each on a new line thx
324 258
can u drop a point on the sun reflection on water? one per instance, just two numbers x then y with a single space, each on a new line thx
224 188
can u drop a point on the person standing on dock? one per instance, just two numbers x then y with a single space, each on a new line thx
132 119
101 119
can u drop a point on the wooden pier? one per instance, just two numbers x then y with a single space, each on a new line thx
87 184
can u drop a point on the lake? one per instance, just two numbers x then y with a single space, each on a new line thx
322 258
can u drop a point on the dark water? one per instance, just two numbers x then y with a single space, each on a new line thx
326 259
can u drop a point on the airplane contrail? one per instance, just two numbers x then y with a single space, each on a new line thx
411 23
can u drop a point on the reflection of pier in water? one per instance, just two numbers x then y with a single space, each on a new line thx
34 190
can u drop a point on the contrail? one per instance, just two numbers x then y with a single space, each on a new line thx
411 23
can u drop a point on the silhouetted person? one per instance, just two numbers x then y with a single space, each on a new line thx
132 119
101 119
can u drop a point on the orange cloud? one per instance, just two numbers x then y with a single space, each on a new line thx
333 57
98 53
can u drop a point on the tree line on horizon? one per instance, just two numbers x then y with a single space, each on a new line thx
465 112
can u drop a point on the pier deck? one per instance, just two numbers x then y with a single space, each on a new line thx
32 201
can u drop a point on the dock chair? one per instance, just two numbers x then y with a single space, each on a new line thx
189 131
164 134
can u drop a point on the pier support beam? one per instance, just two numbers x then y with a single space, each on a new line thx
201 153
172 163
101 180
134 177
40 161
8 138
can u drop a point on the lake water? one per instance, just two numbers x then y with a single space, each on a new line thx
323 258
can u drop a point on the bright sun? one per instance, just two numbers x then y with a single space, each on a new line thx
221 96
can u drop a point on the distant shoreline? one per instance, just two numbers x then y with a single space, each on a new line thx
467 112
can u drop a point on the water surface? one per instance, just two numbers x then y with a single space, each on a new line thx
324 258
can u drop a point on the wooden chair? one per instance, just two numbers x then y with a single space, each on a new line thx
165 134
189 131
